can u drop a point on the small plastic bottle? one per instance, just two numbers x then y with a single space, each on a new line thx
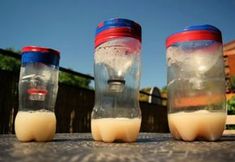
38 86
196 83
116 115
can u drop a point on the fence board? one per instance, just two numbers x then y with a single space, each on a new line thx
73 108
8 100
154 118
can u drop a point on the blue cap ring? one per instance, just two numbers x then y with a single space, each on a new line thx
33 54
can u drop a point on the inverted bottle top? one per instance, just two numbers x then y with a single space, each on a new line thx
116 28
194 33
33 54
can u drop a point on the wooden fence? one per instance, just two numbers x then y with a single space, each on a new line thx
73 105
73 108
8 100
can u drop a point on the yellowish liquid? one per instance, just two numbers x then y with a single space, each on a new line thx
35 126
189 126
115 129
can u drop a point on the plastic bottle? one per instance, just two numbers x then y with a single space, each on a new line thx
196 83
116 115
38 86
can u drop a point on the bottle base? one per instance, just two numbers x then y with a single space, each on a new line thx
198 125
115 129
35 126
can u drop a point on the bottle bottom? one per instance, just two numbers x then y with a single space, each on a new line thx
35 126
115 129
197 125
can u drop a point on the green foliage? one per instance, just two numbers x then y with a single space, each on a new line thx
164 89
13 64
232 81
10 63
231 105
144 97
74 80
13 50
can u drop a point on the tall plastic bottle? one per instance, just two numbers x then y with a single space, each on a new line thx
116 115
196 83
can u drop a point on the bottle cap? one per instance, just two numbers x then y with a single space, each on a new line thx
194 33
32 54
116 28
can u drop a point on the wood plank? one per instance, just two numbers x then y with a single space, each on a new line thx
229 132
230 119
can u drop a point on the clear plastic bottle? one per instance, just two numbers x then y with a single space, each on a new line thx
38 86
196 83
116 115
